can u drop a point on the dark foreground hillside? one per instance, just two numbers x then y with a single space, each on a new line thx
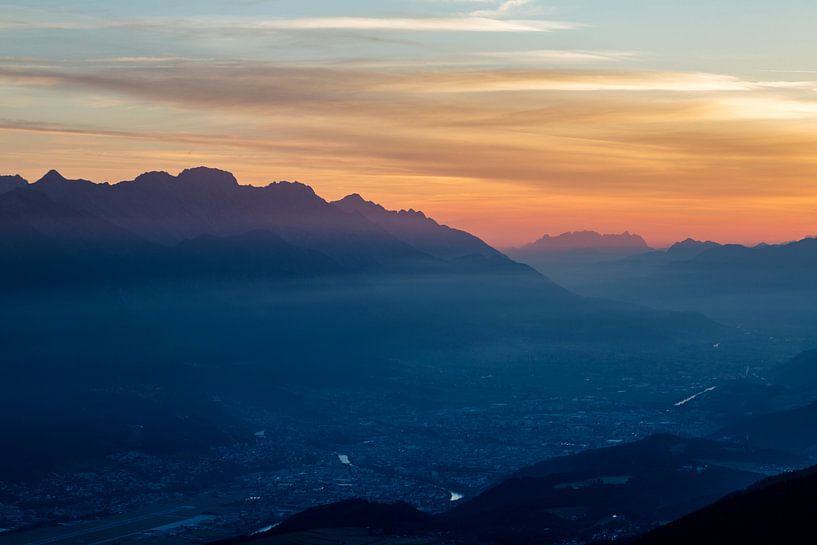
779 510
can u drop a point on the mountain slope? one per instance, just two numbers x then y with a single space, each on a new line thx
617 489
415 228
43 242
168 209
768 287
358 236
689 249
587 240
799 373
778 510
567 257
793 430
9 183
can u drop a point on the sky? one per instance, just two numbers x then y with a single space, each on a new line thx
510 119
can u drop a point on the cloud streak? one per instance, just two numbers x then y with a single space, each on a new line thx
465 23
561 56
448 24
653 137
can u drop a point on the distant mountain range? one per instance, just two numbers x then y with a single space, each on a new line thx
770 286
688 249
587 240
561 257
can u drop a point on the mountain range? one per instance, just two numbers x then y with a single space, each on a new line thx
144 218
587 240
769 286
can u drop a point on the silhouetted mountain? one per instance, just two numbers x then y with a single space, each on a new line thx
28 216
780 510
767 286
595 494
689 249
420 231
799 373
792 430
201 201
570 255
44 242
625 243
8 183
785 265
617 489
166 210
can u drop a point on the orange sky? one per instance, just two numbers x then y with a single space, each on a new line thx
508 134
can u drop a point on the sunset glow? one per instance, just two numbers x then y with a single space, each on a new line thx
510 119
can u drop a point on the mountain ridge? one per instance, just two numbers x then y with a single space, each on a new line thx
586 240
164 209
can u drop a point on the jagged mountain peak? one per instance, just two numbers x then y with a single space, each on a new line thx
211 177
10 183
52 176
354 202
293 187
154 177
587 240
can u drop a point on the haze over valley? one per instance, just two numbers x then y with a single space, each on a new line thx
428 272
186 336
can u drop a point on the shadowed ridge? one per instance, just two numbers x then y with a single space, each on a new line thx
690 248
153 177
294 195
425 234
10 183
356 202
800 372
792 430
780 509
586 240
212 179
659 477
32 212
54 178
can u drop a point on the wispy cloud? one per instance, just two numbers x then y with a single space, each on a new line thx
472 23
466 23
504 8
581 81
562 56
